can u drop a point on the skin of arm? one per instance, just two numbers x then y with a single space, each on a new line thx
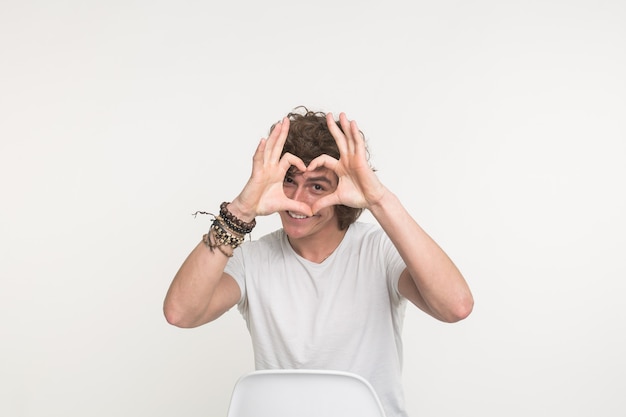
200 291
431 281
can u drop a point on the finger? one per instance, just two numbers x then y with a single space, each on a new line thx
337 134
359 140
297 207
324 161
277 148
289 159
260 149
271 139
326 201
345 126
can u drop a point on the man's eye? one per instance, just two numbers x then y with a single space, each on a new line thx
288 179
318 187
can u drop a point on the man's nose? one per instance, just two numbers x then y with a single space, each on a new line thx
297 194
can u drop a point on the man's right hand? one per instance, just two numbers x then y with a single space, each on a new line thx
263 193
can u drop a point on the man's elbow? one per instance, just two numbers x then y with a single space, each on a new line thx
461 309
175 317
172 318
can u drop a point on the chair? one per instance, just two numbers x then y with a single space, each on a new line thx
303 393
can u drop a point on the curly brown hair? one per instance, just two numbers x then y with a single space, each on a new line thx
308 138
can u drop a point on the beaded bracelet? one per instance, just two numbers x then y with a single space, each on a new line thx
234 220
226 230
225 236
232 227
206 238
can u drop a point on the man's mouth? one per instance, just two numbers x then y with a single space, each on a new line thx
296 215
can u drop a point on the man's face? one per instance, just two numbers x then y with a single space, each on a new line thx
308 187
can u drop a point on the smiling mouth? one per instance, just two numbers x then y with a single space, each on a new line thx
296 215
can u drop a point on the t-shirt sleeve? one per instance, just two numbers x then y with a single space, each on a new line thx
393 263
235 268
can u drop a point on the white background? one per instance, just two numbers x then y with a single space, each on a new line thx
501 126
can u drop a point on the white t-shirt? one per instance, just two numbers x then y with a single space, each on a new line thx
343 314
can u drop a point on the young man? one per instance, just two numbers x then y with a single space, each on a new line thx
325 291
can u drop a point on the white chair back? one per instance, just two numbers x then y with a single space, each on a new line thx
303 393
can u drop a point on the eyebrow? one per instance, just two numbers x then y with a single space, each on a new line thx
320 178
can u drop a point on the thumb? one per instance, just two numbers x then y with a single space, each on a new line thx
298 207
326 201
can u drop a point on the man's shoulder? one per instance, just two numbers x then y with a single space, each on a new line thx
360 230
363 236
270 241
272 237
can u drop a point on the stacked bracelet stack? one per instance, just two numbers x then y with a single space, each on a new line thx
227 230
233 221
224 236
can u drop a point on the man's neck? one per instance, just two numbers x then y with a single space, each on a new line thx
318 247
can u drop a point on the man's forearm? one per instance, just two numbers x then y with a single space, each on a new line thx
189 297
438 280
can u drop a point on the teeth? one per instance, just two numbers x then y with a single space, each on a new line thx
296 215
